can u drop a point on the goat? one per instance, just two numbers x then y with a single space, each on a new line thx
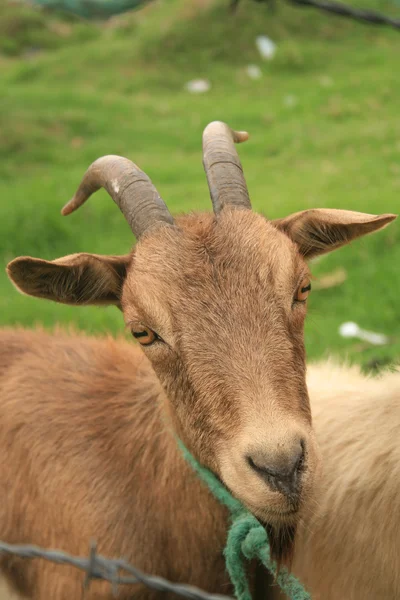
349 548
88 426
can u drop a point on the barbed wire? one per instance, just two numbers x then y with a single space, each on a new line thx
97 566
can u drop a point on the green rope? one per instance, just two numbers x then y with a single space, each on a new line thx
247 539
92 9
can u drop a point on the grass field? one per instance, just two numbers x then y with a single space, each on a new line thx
324 125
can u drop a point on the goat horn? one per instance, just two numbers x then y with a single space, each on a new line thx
129 187
223 169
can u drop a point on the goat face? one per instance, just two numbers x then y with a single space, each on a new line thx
218 303
215 302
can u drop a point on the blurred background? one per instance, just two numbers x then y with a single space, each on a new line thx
319 95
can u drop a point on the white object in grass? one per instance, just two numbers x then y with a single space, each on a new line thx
352 330
254 71
266 47
198 86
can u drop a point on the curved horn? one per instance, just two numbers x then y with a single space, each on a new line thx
130 189
222 166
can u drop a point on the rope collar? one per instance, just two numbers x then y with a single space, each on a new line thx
247 539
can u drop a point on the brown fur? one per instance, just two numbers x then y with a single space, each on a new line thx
84 485
88 426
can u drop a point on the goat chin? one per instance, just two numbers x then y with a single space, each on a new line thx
282 543
281 530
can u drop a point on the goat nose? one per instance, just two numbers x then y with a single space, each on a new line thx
281 472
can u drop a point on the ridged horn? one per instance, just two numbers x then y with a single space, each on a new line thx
223 168
129 187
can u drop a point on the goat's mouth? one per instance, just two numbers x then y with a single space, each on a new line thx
287 515
275 516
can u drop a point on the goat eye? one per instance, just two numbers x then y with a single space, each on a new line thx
145 336
303 290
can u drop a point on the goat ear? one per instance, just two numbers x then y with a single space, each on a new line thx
319 230
74 279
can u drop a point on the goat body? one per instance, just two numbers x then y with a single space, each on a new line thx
113 434
349 548
109 469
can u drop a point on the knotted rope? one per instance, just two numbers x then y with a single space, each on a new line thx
247 539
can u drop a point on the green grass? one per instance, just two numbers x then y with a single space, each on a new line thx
119 88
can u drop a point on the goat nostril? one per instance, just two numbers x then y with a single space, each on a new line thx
298 462
253 465
281 472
